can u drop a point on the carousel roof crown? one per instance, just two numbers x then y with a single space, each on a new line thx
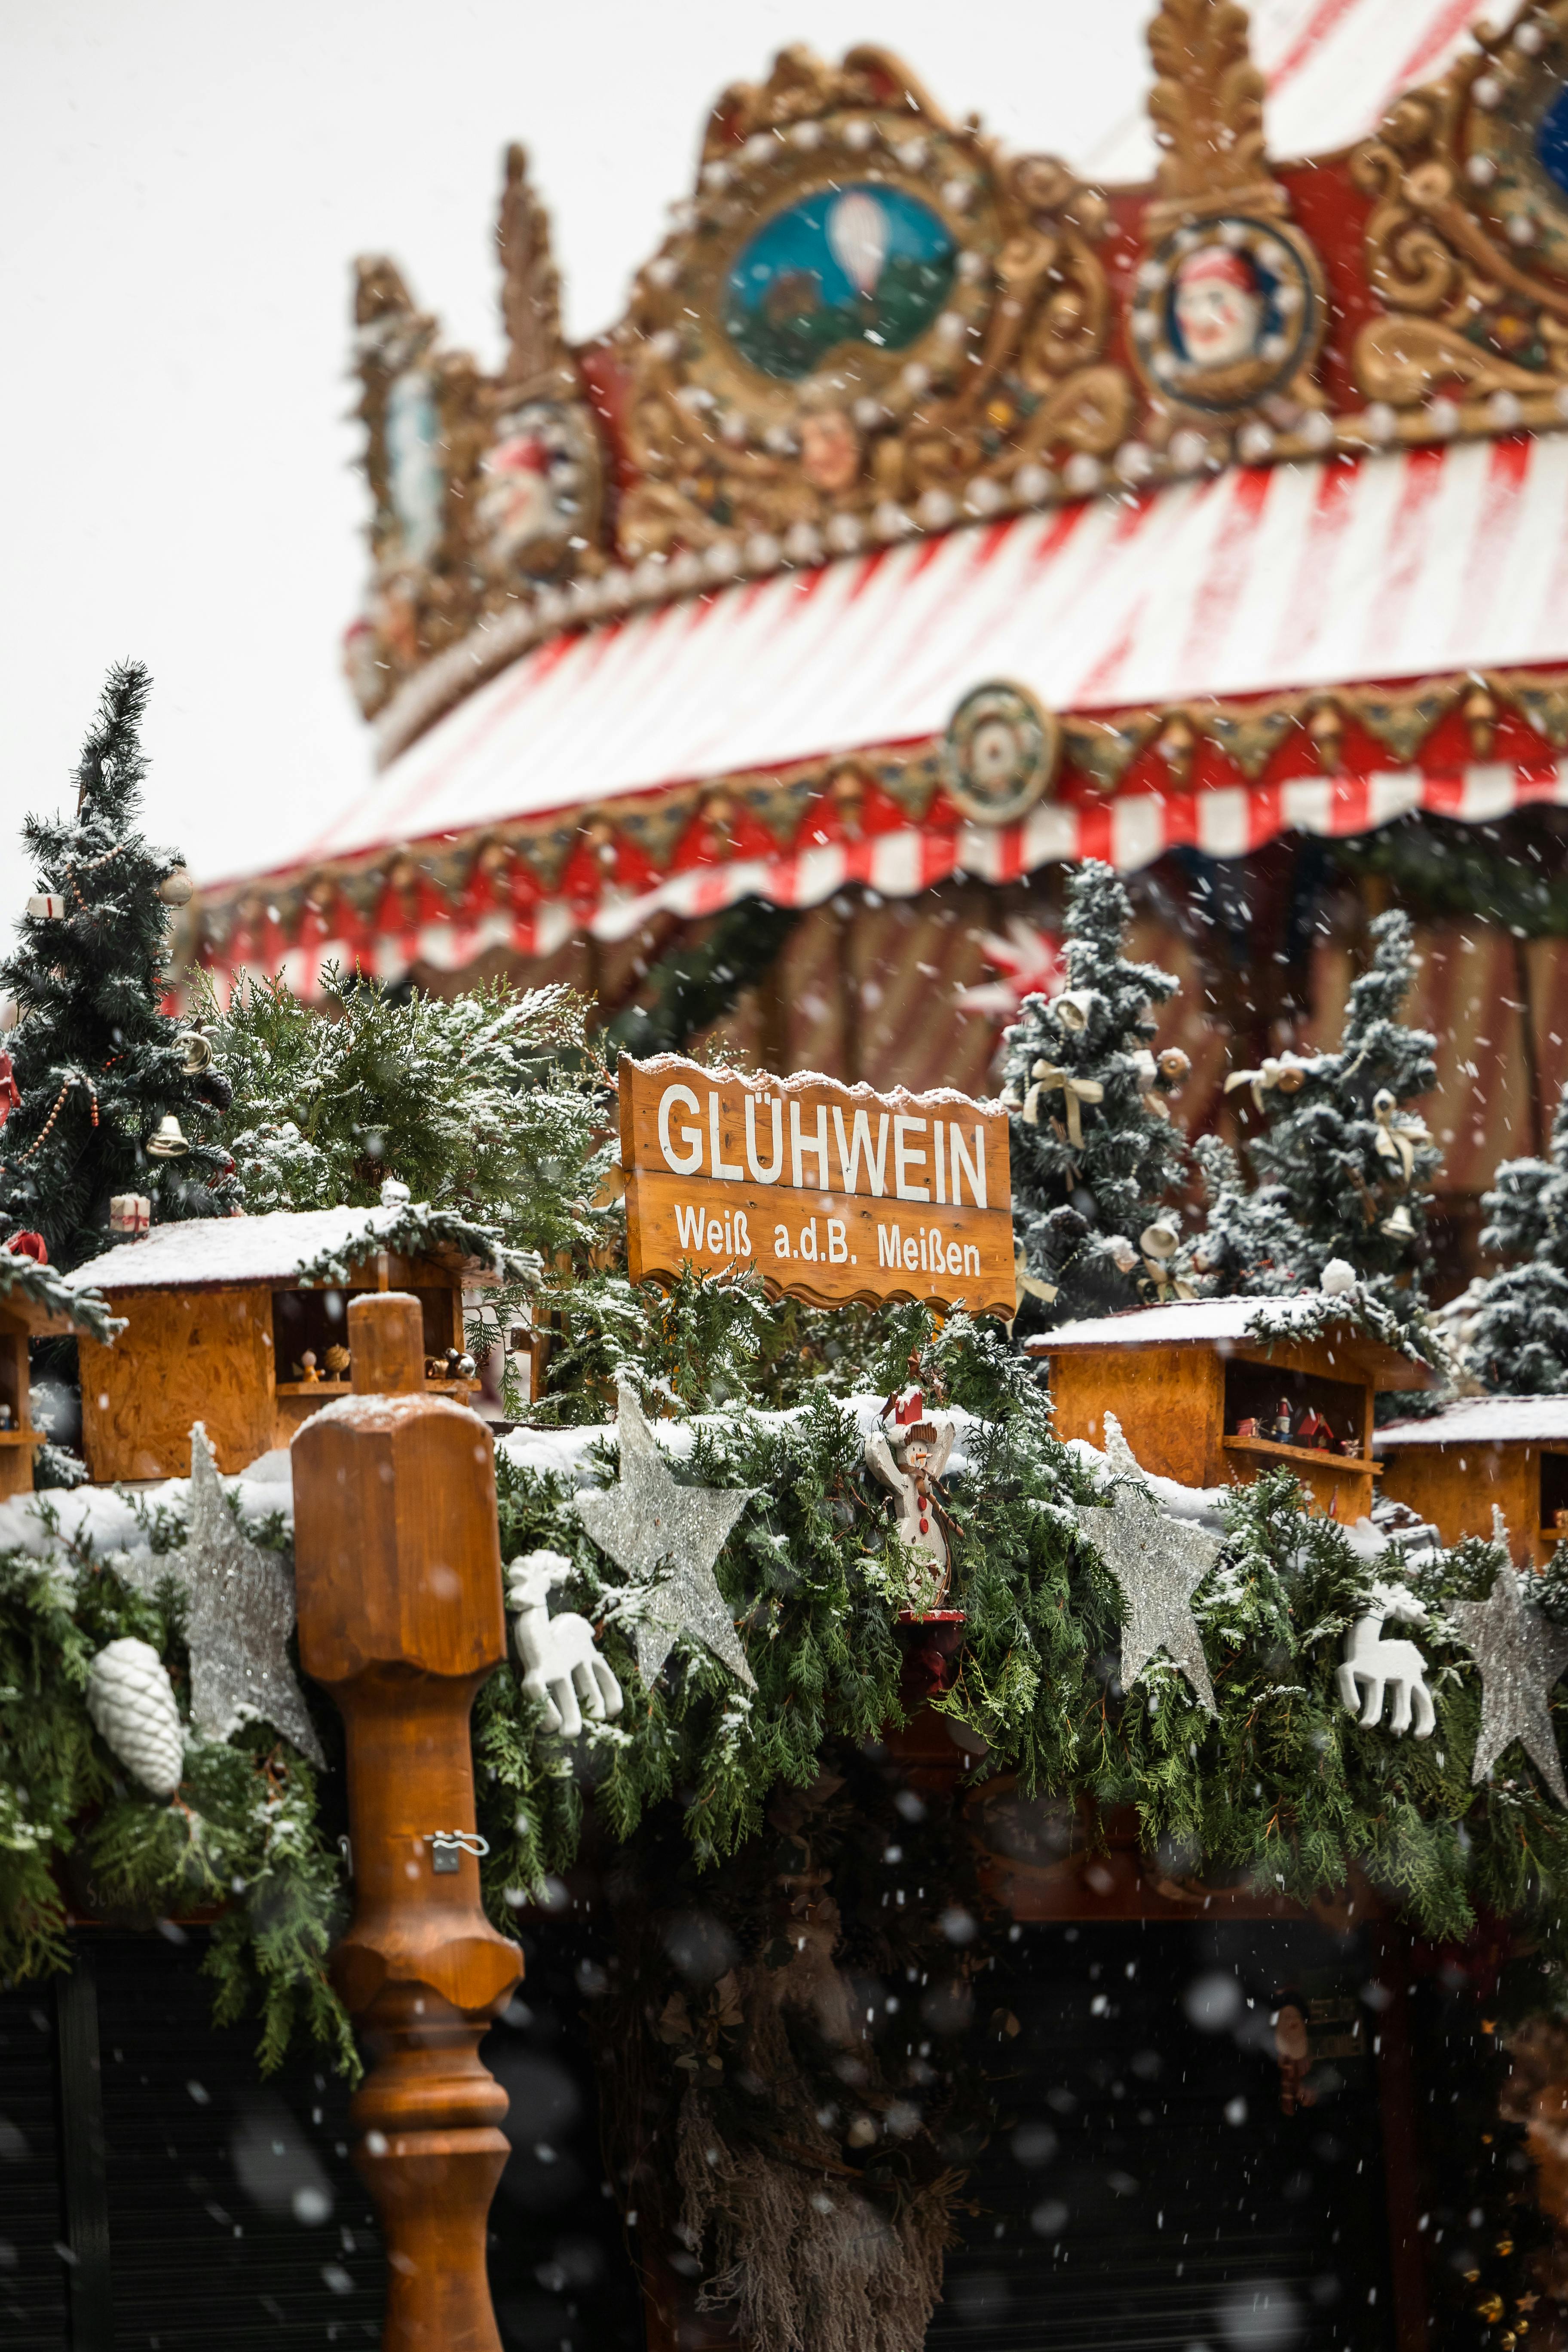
1212 466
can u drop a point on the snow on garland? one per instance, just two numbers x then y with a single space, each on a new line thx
1280 1783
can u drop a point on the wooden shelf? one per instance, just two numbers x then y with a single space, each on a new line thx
21 1437
346 1388
1350 1466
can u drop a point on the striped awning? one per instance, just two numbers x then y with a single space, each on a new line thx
1432 562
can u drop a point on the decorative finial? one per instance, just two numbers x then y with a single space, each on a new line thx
538 364
1206 108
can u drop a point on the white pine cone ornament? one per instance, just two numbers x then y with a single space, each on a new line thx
131 1702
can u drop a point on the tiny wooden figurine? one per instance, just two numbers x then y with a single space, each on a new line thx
1203 1400
1452 1468
221 1329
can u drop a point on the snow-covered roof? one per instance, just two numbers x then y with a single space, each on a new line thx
1482 1421
209 1250
1186 1321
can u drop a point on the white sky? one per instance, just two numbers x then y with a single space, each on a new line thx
185 186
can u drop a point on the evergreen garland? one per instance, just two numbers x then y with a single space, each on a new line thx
99 1065
244 1840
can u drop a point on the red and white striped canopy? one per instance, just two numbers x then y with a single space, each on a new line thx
1394 567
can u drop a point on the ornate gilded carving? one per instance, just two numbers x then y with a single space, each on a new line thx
1206 107
424 434
864 324
868 324
1466 242
543 469
474 483
1229 309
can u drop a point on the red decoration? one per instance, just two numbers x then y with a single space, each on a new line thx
10 1092
31 1245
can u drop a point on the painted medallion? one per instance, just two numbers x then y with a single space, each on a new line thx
415 481
1001 752
868 263
1516 146
1227 311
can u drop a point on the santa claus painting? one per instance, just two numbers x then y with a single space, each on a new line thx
1217 307
535 481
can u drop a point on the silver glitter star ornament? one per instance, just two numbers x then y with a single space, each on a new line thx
1159 1563
239 1617
671 1536
1520 1654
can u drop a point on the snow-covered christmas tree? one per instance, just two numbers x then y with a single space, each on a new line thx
1095 1158
110 1095
1343 1167
1518 1337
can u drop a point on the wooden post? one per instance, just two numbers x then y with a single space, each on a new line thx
397 1562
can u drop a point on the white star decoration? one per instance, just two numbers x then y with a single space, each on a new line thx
656 1528
1520 1654
239 1617
1159 1563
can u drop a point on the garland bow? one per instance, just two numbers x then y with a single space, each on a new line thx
1047 1077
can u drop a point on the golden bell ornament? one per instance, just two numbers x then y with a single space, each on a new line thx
198 1054
177 889
169 1143
1397 1224
1159 1240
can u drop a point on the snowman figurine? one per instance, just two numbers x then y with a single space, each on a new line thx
908 1450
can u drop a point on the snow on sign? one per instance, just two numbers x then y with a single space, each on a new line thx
831 1191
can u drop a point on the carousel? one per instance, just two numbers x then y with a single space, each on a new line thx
935 516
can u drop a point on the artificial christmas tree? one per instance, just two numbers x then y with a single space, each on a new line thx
1251 1245
1094 1156
113 1094
1519 1338
1343 1168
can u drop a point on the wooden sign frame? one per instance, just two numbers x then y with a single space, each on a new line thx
832 1193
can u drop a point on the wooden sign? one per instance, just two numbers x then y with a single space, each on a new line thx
832 1193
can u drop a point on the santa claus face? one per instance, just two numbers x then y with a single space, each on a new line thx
1218 310
533 478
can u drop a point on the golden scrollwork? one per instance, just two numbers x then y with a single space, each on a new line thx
1206 107
1467 241
735 446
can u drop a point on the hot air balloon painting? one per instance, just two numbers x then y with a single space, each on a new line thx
867 264
857 233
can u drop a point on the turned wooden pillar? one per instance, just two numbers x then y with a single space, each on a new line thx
397 1562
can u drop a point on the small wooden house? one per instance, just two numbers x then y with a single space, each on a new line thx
1203 1400
1507 1450
221 1328
35 1304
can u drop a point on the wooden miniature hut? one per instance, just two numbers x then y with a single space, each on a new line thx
1510 1451
1203 1398
34 1305
222 1326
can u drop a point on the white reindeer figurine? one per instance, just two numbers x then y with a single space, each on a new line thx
562 1669
1371 1663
